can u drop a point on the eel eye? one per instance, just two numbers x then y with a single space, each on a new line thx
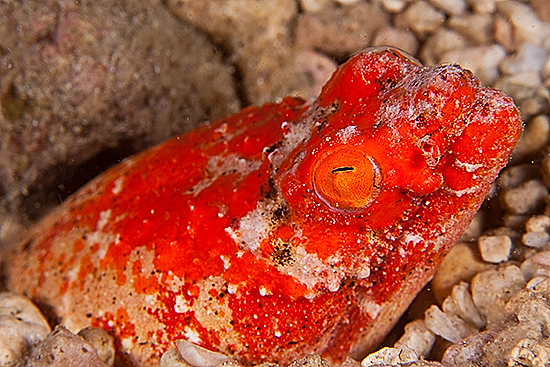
346 179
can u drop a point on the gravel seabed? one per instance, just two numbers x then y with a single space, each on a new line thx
489 303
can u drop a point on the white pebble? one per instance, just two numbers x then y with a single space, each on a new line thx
535 239
503 33
460 303
535 281
312 6
535 137
317 67
521 85
483 6
491 290
514 220
462 263
495 249
529 57
396 37
439 43
526 197
103 342
535 312
311 360
545 168
22 327
172 358
527 26
476 27
417 337
529 352
452 7
422 18
482 60
537 265
448 326
545 71
394 6
198 356
543 287
390 356
346 2
475 228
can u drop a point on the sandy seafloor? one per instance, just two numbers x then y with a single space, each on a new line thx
85 84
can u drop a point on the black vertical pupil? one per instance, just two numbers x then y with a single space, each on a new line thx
343 169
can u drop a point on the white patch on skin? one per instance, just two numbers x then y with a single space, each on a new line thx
311 271
232 288
176 283
127 343
181 305
226 263
103 239
103 219
370 308
347 133
295 134
469 167
468 190
264 292
150 299
250 234
219 165
72 275
410 237
118 186
222 129
254 227
191 335
213 312
363 273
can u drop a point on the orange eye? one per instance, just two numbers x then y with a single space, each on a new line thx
346 179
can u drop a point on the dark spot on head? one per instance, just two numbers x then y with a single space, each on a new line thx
268 189
334 107
272 147
386 84
280 214
321 124
282 254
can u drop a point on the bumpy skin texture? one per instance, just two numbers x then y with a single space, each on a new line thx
282 230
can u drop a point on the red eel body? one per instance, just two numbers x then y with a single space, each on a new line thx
284 229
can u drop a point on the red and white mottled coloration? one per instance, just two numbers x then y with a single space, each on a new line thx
282 230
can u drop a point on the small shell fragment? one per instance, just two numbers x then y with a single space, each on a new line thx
22 326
